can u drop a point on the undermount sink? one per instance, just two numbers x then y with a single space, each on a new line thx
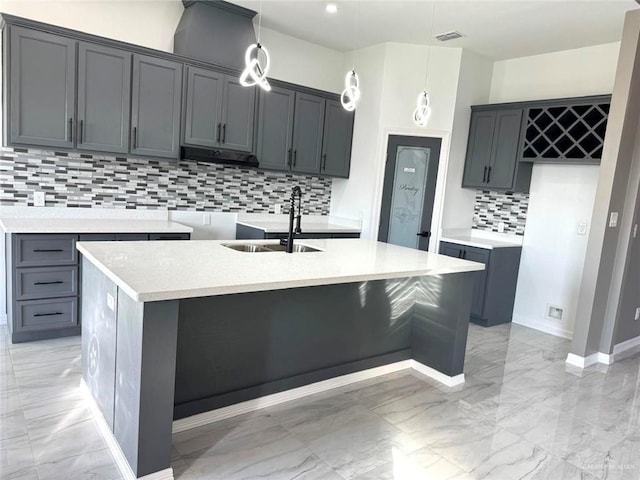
269 247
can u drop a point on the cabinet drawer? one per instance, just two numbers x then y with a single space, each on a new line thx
46 282
36 315
168 236
42 250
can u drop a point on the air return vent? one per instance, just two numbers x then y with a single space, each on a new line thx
445 37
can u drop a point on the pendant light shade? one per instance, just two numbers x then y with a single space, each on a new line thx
256 61
351 92
255 73
422 112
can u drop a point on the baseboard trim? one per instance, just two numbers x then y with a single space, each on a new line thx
436 375
543 326
582 362
223 413
625 347
112 443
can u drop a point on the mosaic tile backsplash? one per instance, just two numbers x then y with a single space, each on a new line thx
491 208
79 180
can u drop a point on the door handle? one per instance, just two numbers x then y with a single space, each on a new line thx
46 314
484 175
56 282
224 133
289 158
135 137
424 234
218 137
295 157
324 161
464 254
71 129
81 136
489 175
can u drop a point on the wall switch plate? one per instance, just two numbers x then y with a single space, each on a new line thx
554 312
206 219
501 227
277 209
613 219
637 313
111 302
582 228
39 199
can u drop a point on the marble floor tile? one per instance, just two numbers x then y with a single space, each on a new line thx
82 466
16 456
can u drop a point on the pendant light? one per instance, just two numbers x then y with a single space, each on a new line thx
255 72
423 109
351 93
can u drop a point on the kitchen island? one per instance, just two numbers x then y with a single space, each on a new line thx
177 330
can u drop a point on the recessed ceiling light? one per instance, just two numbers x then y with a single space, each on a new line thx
331 8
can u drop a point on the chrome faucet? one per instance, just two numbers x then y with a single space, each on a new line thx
292 209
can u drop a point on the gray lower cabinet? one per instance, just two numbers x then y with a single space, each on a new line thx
104 98
495 288
336 141
155 107
244 232
308 124
219 111
41 93
275 128
44 278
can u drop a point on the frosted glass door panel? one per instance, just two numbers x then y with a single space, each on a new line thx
408 195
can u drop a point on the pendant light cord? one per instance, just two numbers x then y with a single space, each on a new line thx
259 22
357 32
433 19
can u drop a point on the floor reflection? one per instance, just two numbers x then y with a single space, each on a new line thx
522 414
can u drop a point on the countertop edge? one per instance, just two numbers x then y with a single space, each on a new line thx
480 243
163 226
314 229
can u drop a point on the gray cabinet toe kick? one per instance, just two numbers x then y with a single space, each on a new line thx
178 358
43 278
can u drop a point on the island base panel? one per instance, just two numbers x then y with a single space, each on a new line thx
240 347
130 368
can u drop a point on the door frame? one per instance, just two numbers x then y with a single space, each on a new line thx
431 177
441 179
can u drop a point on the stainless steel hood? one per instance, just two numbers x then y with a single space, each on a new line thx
215 31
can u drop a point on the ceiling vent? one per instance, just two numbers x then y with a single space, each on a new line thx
445 37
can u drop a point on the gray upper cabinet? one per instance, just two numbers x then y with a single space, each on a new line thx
307 133
42 89
104 96
336 143
275 128
219 111
492 151
155 107
238 111
203 118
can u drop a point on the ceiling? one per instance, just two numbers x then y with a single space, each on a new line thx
497 29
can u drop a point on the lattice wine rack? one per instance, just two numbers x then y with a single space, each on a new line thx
565 132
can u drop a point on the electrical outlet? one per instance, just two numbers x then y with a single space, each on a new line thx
39 199
501 227
637 313
206 219
277 208
613 219
554 312
582 228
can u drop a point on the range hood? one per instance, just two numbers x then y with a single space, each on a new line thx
224 157
215 31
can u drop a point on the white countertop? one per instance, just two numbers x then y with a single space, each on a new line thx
310 223
481 239
167 270
90 225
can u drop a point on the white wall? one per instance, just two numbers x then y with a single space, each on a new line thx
473 89
391 76
561 197
569 73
